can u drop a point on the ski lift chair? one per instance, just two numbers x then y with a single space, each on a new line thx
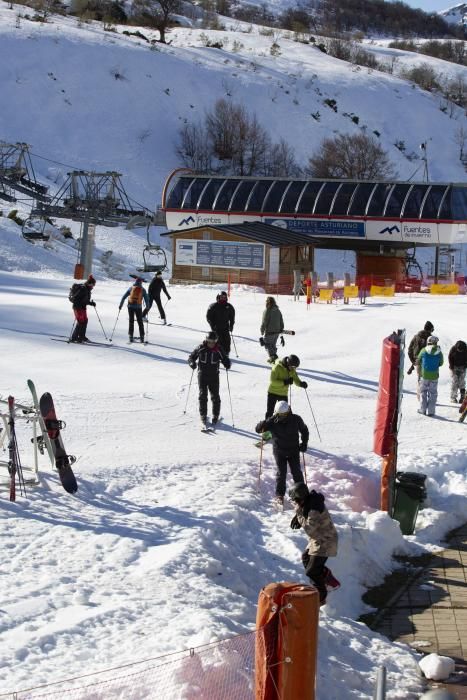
33 229
154 259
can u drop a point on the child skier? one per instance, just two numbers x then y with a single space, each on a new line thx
313 516
136 293
429 359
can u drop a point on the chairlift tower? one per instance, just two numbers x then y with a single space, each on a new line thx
91 198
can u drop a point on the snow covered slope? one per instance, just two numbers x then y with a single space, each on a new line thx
168 542
101 100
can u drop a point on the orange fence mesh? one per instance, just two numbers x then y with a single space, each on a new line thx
219 671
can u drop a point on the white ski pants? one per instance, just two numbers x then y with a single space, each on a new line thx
428 395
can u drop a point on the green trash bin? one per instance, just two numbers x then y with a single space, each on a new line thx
410 492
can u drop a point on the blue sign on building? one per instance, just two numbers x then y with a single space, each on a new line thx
230 254
320 227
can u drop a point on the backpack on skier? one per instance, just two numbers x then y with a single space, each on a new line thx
74 292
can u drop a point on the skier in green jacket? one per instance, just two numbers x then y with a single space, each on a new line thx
272 326
283 374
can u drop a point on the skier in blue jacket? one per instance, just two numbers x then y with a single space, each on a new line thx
429 359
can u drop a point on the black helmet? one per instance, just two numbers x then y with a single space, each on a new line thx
292 361
212 335
429 327
299 492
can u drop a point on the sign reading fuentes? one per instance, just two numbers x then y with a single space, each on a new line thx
247 256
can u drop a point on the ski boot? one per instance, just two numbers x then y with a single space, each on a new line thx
330 581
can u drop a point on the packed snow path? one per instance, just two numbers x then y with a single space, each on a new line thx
168 542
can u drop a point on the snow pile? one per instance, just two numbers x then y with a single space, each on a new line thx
437 668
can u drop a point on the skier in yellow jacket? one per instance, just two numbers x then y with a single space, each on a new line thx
283 374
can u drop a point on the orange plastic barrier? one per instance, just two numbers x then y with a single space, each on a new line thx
286 649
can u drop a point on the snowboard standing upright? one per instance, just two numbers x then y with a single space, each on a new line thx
51 427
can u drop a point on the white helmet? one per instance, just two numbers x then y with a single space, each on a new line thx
282 408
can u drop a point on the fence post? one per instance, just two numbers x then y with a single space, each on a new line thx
380 690
285 658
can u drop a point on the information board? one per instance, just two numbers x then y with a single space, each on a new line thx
202 253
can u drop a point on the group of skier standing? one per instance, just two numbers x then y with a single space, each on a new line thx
426 356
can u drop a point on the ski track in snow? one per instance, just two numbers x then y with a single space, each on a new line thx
168 540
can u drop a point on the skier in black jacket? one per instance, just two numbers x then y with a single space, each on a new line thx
458 366
80 296
155 289
221 318
287 428
209 355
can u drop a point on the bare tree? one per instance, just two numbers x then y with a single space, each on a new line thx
194 148
358 156
155 13
280 161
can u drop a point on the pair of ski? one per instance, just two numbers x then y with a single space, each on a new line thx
51 438
209 428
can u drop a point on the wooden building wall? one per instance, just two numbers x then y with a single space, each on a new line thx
290 258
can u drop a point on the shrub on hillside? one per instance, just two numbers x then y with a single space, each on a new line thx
354 156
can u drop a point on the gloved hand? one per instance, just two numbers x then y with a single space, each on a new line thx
169 298
282 341
120 307
145 313
92 303
304 385
227 363
294 523
231 329
288 381
303 447
261 341
192 364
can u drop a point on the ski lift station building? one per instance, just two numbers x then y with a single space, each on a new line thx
261 230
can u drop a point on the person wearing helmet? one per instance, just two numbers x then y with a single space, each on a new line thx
221 318
429 360
155 289
80 296
458 364
272 326
136 294
313 516
207 357
289 438
416 344
283 374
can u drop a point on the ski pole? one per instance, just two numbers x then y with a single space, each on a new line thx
115 325
147 329
314 419
99 319
235 347
230 397
304 468
188 392
260 461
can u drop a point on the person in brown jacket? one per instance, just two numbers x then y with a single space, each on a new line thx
313 516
